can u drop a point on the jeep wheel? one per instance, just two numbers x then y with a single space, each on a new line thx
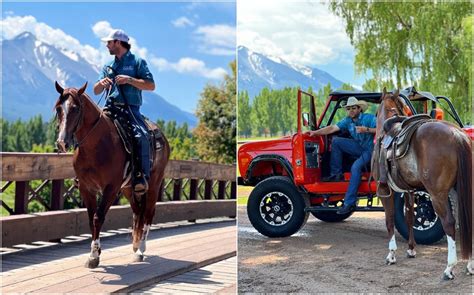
427 226
276 208
330 216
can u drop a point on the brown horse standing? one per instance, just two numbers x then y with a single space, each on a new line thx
99 163
439 160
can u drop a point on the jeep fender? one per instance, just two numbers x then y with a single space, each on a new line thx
280 160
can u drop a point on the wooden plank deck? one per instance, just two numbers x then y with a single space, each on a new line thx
217 278
171 251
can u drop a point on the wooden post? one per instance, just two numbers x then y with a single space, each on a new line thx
193 189
177 189
233 190
208 189
57 194
221 190
21 197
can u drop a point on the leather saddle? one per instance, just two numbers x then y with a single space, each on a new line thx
395 145
119 116
399 131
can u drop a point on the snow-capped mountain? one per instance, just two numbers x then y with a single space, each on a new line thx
30 68
256 71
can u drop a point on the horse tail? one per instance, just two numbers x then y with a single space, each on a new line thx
464 191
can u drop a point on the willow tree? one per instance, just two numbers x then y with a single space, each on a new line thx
427 44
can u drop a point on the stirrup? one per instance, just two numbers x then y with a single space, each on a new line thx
383 195
141 187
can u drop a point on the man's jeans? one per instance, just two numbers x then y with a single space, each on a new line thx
349 146
141 139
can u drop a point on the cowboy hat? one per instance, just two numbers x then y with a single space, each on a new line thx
352 101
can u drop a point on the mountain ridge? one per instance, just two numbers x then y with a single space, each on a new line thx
33 66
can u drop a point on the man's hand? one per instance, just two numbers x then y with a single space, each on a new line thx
123 79
362 129
105 83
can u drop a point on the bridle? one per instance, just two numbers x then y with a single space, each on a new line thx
80 121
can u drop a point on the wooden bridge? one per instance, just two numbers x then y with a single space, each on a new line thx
45 251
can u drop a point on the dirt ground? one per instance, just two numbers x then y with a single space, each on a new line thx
341 257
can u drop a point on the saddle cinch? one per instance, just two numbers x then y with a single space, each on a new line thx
395 144
119 116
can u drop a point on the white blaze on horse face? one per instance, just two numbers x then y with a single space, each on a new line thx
95 246
62 127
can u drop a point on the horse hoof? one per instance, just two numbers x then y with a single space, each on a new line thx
390 262
92 262
448 276
411 253
138 258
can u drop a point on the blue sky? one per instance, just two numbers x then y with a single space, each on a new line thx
303 33
186 45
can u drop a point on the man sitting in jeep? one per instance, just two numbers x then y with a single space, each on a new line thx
361 127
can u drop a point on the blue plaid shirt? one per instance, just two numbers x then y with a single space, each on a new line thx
132 66
366 140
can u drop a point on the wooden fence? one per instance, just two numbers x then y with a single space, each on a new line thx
184 180
191 190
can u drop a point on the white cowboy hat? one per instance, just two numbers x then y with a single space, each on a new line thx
352 101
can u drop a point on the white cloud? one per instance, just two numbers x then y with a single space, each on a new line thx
15 25
182 22
303 33
216 39
189 66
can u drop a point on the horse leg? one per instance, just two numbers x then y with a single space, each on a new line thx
138 207
91 204
106 201
388 204
409 219
441 206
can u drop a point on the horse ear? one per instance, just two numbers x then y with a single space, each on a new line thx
83 88
59 89
384 92
396 93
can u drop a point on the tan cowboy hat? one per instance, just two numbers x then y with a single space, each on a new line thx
352 101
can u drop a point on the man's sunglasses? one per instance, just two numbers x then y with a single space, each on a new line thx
352 108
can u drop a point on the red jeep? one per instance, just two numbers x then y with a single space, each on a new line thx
287 172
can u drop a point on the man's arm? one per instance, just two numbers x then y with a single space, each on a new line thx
325 131
101 85
141 84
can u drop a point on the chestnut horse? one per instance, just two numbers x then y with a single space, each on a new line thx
439 161
99 163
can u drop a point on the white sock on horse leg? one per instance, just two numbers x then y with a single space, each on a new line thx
452 258
95 246
392 246
142 247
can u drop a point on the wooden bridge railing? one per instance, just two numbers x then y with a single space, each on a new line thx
209 190
184 180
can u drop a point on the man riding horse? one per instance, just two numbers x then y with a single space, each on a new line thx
124 78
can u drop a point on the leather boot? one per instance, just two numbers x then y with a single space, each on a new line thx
383 190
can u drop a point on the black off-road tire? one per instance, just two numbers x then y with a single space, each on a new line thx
277 192
425 235
330 216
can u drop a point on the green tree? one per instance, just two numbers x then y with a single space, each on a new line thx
216 131
243 109
428 44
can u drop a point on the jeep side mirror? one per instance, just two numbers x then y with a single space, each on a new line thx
305 117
